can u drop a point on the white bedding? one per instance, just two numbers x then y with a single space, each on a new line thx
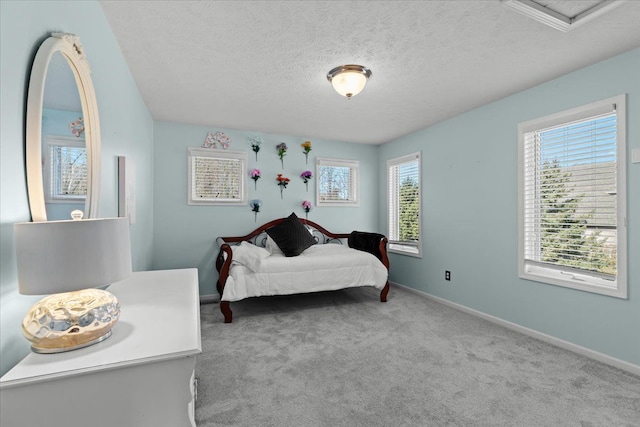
255 272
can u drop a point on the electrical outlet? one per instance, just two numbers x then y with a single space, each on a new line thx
447 275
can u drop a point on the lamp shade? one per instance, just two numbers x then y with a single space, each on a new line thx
62 256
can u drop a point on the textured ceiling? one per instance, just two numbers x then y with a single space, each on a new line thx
262 65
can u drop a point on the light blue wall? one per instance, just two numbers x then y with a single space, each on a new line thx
185 235
470 214
56 122
126 127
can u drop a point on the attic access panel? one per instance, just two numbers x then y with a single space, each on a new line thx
562 15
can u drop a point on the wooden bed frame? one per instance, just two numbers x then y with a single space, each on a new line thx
259 238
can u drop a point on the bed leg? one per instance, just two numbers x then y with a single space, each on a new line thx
226 311
384 292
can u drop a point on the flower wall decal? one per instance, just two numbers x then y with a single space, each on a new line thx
282 182
255 176
255 207
306 176
306 146
282 151
307 206
256 142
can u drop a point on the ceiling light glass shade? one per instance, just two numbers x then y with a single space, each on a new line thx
349 80
69 259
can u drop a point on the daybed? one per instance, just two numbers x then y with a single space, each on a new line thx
293 255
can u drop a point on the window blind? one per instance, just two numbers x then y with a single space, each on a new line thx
570 210
404 201
337 181
216 179
68 170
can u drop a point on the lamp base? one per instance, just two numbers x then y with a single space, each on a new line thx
63 349
70 320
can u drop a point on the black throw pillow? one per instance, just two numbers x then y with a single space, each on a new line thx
291 236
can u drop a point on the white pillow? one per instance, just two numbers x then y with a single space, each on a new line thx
273 247
249 255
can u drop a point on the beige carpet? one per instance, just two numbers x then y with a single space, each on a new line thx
345 359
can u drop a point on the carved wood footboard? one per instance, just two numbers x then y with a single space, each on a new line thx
320 234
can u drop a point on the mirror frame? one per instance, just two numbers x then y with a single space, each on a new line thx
70 47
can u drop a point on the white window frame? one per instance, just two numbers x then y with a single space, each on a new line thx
394 245
354 191
195 152
555 276
51 196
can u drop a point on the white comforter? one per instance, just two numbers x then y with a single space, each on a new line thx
255 272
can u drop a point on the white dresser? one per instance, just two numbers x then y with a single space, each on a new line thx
143 375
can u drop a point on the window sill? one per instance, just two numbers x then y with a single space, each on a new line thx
66 200
404 250
338 204
582 283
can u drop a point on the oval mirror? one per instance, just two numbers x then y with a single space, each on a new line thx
63 132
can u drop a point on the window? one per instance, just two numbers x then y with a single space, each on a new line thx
337 182
572 224
217 177
65 171
404 204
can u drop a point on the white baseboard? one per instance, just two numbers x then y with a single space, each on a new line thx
592 354
209 299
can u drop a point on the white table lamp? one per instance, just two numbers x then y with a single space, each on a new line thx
69 259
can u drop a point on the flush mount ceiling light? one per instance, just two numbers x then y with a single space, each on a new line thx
556 19
349 80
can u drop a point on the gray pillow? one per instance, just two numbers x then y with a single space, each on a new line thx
291 236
